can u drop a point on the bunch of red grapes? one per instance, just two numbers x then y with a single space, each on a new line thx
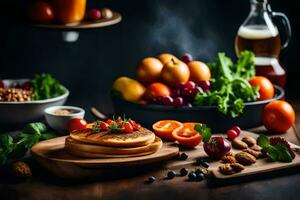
184 94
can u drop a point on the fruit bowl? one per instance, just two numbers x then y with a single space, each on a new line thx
149 114
16 114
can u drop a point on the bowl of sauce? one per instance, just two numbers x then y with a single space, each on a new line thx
58 117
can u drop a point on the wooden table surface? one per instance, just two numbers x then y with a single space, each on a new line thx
276 185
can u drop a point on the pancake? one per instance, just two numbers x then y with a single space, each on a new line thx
95 151
135 139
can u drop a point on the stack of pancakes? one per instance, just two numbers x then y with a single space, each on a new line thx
90 144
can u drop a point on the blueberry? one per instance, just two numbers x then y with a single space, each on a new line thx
183 156
171 174
192 176
200 177
199 161
151 179
199 171
205 164
183 171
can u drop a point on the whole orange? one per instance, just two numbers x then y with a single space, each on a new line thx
266 88
167 57
175 73
278 116
148 71
155 90
199 71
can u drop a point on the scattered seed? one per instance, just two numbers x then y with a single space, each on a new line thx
183 171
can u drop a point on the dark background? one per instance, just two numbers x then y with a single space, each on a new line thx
149 27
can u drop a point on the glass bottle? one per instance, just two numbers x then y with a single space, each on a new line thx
259 34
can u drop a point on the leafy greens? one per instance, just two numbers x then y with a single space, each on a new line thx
31 134
230 86
45 87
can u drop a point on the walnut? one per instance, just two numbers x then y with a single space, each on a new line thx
21 169
239 144
250 141
237 167
230 168
228 159
245 158
230 153
256 154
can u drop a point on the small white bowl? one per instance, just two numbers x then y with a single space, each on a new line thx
60 122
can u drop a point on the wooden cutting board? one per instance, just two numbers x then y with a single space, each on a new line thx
261 165
52 155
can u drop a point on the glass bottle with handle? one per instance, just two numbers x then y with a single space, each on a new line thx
259 34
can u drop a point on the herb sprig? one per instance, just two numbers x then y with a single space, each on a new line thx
30 135
277 152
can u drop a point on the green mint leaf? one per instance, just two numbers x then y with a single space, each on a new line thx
204 131
263 141
283 153
37 127
272 152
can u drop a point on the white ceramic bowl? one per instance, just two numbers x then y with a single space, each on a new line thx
60 122
16 114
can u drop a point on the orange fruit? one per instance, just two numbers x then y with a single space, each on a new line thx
266 88
278 116
199 71
164 128
186 135
148 71
167 57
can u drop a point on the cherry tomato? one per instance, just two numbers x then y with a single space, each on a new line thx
156 90
164 128
237 129
104 126
232 134
77 123
135 125
40 11
186 135
119 120
109 122
266 88
128 128
278 116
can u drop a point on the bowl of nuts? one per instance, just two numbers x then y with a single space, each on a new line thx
24 100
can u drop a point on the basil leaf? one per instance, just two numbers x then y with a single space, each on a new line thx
36 127
204 131
283 153
263 141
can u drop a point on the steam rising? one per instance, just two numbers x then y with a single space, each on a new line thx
179 33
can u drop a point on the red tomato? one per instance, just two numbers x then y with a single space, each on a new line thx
104 126
164 128
186 135
128 128
135 125
77 123
278 116
119 120
109 122
266 88
40 11
157 90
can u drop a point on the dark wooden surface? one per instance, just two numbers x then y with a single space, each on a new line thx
130 185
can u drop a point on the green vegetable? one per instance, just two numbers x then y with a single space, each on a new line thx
31 134
230 87
278 152
44 86
204 131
